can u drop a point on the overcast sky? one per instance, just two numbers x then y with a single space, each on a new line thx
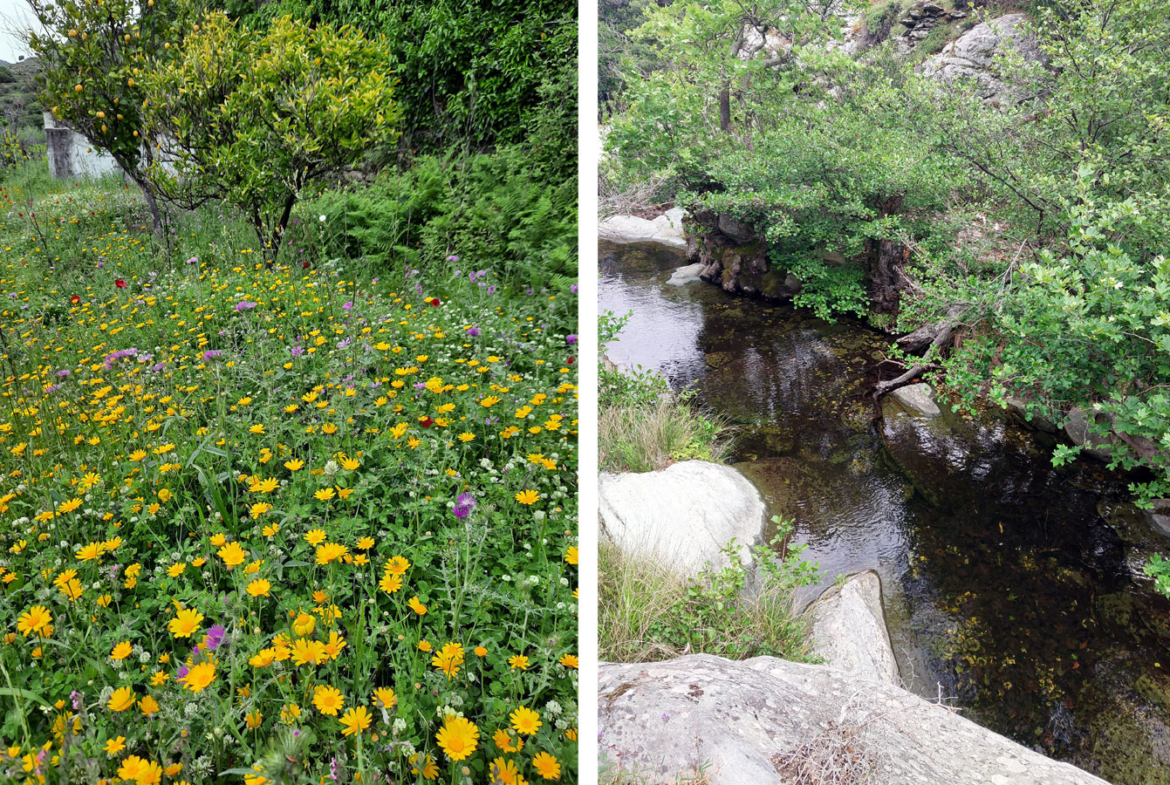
14 16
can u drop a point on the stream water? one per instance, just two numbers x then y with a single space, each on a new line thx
1013 591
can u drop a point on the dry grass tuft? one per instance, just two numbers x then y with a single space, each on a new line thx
639 438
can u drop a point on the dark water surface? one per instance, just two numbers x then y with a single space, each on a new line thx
1011 589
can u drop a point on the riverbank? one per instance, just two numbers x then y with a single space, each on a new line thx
1012 587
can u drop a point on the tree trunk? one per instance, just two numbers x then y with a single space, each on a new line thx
725 108
278 232
887 259
886 274
152 205
725 90
933 338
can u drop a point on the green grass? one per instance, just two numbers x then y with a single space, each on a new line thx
641 437
648 612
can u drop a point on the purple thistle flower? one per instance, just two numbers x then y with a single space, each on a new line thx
473 331
215 637
245 305
464 505
452 258
211 354
348 306
571 339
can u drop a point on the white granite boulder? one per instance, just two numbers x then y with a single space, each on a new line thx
848 629
755 722
666 228
683 515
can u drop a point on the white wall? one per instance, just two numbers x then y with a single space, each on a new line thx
71 156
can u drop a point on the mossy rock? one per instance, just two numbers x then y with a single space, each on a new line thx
1155 687
718 359
772 285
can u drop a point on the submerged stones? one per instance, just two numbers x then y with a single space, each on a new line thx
686 275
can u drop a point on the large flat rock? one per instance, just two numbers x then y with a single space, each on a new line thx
683 515
666 228
750 721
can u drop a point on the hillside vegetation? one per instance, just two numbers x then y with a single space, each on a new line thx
1027 232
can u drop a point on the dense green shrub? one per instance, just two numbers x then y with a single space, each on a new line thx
469 72
487 211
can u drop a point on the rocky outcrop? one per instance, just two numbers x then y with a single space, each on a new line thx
920 21
765 721
735 257
683 515
1076 428
971 57
666 228
848 629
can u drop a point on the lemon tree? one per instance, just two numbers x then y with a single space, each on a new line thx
252 118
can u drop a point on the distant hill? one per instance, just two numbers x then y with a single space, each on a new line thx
19 106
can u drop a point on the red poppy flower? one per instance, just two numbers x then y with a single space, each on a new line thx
436 302
75 299
427 422
570 361
120 283
304 265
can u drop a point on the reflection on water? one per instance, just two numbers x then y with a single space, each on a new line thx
1013 588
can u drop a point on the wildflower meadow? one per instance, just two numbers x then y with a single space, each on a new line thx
304 519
